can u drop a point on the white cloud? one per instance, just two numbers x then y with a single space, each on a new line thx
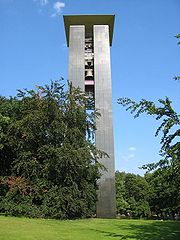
64 46
130 156
132 149
42 2
58 6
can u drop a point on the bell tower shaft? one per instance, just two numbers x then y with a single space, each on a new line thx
89 38
106 205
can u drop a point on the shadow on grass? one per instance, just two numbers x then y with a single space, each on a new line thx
145 231
115 235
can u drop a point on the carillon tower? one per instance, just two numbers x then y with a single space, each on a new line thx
89 38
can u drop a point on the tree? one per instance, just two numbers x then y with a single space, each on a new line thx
132 193
169 127
170 148
165 180
166 177
122 204
49 165
164 198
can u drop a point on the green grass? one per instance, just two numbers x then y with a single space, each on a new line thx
12 228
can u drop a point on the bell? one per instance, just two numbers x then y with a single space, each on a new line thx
88 62
89 73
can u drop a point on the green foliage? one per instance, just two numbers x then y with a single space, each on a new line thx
178 36
164 185
48 163
164 199
169 128
164 181
132 193
155 194
170 119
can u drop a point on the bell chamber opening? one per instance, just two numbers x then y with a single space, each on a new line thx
89 66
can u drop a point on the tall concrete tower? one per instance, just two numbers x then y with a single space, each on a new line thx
89 38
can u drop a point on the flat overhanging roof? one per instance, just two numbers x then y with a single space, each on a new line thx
89 21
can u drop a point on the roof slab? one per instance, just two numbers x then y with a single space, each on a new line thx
89 21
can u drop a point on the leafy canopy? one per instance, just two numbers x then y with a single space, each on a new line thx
48 162
169 127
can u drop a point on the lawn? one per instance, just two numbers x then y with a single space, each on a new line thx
12 228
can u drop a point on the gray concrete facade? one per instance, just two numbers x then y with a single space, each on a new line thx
76 68
106 205
95 77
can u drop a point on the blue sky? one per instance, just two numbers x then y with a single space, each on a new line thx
144 58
